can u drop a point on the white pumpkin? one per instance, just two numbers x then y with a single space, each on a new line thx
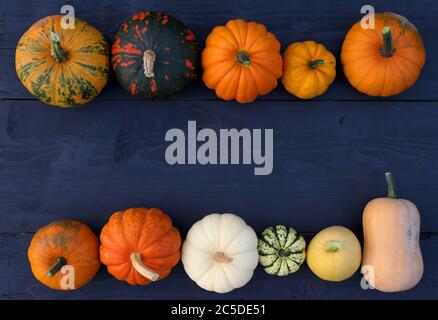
220 252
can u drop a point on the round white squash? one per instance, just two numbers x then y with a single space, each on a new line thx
220 252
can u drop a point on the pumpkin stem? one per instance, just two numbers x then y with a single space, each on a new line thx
391 186
57 52
59 263
334 246
139 266
148 63
315 63
243 58
221 257
283 253
387 49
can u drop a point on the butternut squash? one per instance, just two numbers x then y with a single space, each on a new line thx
392 259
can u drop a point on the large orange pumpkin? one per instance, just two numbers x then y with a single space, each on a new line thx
140 245
241 61
62 67
63 243
386 60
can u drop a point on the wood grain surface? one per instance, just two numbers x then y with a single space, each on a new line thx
330 154
17 282
325 21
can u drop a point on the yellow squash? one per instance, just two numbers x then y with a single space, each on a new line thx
334 254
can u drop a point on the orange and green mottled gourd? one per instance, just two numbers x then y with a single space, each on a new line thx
62 67
140 245
241 61
386 60
64 243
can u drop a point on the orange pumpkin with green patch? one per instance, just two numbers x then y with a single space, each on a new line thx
155 56
64 243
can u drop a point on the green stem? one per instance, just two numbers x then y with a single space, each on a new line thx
387 49
334 246
59 263
57 52
391 186
243 58
315 63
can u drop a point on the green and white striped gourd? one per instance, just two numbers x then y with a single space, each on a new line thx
281 250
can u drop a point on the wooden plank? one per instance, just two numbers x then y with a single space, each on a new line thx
329 160
17 282
329 154
290 20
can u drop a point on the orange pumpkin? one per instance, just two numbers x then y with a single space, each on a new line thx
392 259
384 61
64 243
140 245
309 69
241 61
62 67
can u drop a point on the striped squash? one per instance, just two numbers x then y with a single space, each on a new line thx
281 250
62 67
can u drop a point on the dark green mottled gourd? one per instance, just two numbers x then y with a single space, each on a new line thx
281 250
155 56
62 67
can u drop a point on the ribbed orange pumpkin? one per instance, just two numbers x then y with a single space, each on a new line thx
241 61
386 60
61 243
140 245
309 69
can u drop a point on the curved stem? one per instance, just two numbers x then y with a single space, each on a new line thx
221 257
59 263
57 52
391 186
148 63
243 58
334 246
139 266
315 63
387 49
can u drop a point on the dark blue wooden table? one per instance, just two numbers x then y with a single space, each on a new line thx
329 154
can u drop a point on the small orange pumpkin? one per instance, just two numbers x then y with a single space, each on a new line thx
62 243
308 69
241 61
384 61
140 245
